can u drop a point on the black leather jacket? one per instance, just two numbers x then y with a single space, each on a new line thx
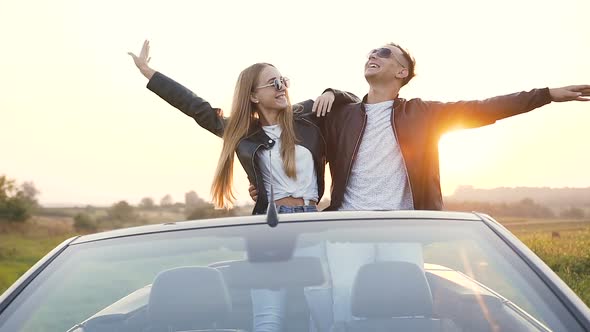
417 126
307 130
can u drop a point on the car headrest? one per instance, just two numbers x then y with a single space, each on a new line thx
391 289
188 297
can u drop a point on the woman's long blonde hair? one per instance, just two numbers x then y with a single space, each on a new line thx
243 115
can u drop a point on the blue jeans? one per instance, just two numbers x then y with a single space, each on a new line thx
297 209
268 306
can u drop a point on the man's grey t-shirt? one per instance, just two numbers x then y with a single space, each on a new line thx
378 179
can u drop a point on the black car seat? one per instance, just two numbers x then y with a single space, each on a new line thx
391 296
188 298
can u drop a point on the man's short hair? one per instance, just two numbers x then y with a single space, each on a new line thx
411 63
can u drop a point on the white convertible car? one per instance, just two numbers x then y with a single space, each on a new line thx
339 271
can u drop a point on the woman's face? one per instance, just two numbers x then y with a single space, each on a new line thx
270 90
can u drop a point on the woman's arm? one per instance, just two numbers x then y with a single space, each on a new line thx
179 96
188 102
343 97
329 100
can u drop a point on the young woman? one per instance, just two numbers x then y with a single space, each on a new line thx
265 131
276 142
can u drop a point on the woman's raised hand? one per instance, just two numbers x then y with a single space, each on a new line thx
142 61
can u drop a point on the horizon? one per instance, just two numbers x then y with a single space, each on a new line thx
250 203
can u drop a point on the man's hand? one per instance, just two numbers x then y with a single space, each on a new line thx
569 93
323 104
142 61
253 192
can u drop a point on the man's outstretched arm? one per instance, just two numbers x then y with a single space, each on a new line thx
471 114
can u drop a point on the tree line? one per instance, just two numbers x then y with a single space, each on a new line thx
122 214
526 208
17 202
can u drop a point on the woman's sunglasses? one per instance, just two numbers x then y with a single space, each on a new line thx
384 53
278 83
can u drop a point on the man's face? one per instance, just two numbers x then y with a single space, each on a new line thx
386 64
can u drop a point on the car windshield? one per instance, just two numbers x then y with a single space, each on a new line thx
352 275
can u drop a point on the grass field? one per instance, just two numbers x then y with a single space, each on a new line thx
563 244
22 245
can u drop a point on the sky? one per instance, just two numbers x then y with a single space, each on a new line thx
78 121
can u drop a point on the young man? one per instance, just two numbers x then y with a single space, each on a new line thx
383 151
383 155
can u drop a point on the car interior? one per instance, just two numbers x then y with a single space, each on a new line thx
386 296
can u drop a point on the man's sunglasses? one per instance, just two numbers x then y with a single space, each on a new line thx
385 53
278 83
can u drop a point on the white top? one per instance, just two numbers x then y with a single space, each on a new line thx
378 179
306 184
